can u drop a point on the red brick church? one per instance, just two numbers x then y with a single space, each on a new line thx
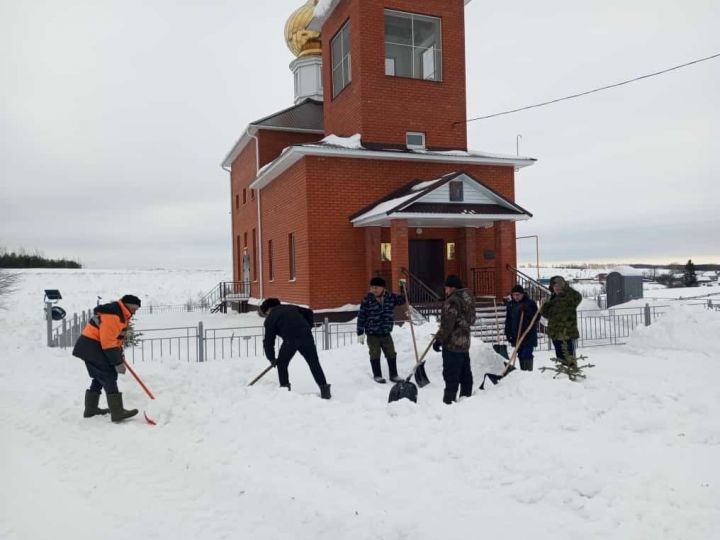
369 172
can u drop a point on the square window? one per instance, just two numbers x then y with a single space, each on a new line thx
414 45
414 140
456 192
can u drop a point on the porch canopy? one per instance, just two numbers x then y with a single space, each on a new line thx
458 201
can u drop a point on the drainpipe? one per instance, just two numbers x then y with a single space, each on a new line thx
259 220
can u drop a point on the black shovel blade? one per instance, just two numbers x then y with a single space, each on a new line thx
403 390
495 378
502 351
421 377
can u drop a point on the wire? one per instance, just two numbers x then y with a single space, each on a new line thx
589 91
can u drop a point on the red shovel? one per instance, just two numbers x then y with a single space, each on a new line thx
147 391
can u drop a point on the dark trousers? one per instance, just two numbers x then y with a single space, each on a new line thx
564 348
456 373
102 379
525 355
306 347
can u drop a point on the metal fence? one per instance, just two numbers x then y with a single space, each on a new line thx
200 344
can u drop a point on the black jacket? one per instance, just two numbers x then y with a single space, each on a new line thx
291 323
512 321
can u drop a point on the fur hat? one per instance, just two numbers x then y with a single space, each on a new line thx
268 304
517 288
453 281
377 282
130 300
557 279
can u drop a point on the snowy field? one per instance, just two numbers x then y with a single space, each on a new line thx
630 453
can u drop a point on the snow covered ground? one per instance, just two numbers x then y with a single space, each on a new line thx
630 453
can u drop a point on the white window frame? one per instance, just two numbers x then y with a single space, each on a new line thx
345 59
419 146
437 47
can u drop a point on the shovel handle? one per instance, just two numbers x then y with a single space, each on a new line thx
264 371
139 381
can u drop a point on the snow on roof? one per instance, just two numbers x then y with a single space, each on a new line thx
627 271
386 206
353 142
424 185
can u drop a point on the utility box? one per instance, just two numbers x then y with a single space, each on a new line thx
621 288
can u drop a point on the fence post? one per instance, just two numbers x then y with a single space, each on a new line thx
48 319
326 334
648 319
201 342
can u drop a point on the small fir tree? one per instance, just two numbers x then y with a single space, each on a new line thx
568 365
689 276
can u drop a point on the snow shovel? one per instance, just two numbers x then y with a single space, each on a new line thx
421 377
510 366
406 389
148 419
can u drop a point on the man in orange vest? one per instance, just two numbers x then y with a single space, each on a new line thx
101 347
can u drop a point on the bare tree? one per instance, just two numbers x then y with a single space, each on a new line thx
7 285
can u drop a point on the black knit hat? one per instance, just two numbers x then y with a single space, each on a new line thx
518 288
377 282
130 299
268 304
453 281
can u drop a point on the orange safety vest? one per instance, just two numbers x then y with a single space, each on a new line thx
108 325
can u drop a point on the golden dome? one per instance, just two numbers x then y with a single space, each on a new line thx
300 40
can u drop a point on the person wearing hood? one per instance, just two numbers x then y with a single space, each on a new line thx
453 339
521 305
375 320
100 346
294 326
561 313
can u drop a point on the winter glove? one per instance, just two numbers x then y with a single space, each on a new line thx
273 362
361 339
402 284
437 346
120 368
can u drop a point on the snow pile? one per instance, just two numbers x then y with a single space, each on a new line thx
629 453
682 328
353 142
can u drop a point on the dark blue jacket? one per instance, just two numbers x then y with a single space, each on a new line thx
376 319
512 321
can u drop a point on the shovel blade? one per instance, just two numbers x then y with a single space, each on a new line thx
421 377
403 390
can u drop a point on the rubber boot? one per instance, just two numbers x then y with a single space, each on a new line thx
377 372
117 412
91 405
449 397
325 391
285 386
392 368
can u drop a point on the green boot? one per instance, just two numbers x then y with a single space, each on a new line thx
91 405
117 412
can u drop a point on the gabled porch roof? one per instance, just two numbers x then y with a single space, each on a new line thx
427 204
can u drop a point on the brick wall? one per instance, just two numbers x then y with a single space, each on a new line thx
383 108
243 172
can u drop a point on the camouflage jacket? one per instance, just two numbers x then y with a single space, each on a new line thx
458 315
561 312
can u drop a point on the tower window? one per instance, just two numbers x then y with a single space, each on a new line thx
340 57
413 46
456 191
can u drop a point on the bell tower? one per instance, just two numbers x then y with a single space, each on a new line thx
394 71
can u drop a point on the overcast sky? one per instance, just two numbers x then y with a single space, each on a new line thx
115 116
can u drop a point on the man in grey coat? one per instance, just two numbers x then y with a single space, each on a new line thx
453 338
